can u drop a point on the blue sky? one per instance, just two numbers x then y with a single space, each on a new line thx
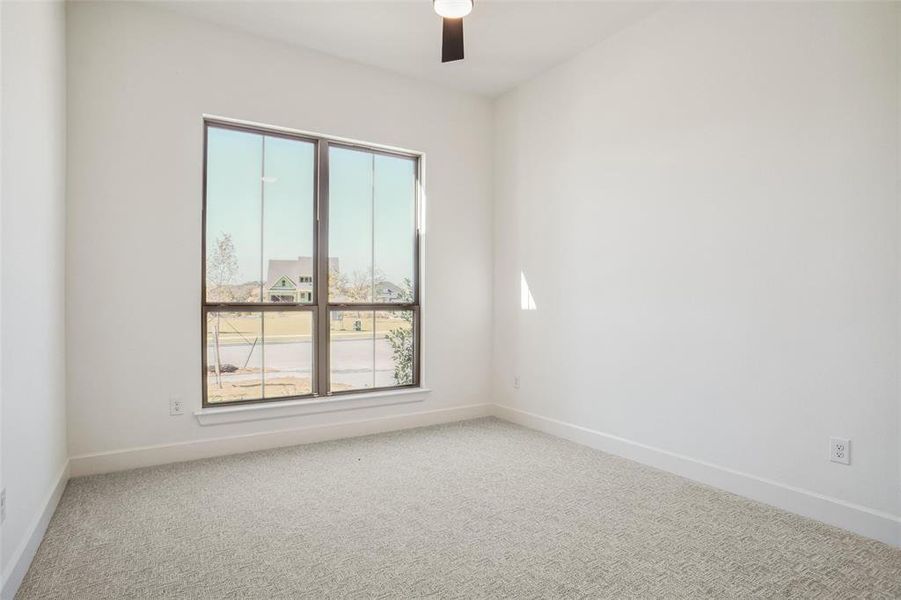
361 185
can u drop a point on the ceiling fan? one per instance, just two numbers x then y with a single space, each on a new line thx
452 13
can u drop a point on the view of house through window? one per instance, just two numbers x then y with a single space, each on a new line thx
310 267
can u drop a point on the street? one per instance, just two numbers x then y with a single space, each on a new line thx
357 362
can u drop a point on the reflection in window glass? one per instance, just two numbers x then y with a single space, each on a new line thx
287 354
234 356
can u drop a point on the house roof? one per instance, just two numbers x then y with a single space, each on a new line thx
384 287
294 269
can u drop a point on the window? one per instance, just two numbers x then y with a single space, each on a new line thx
341 222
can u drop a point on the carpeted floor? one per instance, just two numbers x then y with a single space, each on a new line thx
468 510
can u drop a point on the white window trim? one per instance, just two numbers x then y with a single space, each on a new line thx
218 415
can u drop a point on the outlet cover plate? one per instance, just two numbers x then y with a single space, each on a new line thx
840 450
176 406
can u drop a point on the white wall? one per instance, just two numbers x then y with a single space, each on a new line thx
140 79
706 209
33 268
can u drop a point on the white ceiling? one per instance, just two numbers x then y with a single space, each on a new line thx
507 41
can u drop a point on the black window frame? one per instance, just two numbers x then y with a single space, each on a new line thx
320 307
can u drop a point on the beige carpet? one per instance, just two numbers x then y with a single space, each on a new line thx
468 510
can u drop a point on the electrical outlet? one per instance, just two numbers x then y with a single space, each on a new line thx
176 406
2 505
516 382
840 450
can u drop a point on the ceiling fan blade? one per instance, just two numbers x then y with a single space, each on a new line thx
452 40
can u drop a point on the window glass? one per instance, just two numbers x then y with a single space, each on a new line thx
261 233
234 352
233 233
288 216
371 349
287 354
394 341
372 227
350 225
352 350
394 228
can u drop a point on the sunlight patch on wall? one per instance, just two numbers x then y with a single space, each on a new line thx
527 302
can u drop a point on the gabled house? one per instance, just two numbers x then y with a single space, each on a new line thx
385 291
292 280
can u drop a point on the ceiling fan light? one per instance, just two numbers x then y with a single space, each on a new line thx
452 9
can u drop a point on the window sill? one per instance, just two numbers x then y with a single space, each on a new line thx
292 408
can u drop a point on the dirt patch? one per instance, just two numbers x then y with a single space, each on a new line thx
251 389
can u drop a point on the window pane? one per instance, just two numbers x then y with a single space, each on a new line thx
394 228
372 227
371 349
288 218
288 353
351 356
233 192
350 225
394 339
234 356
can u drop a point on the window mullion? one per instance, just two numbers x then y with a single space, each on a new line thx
322 273
262 265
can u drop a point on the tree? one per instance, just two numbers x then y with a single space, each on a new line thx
360 286
401 340
337 283
221 271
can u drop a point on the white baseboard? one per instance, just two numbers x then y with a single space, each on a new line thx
132 458
859 519
23 555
